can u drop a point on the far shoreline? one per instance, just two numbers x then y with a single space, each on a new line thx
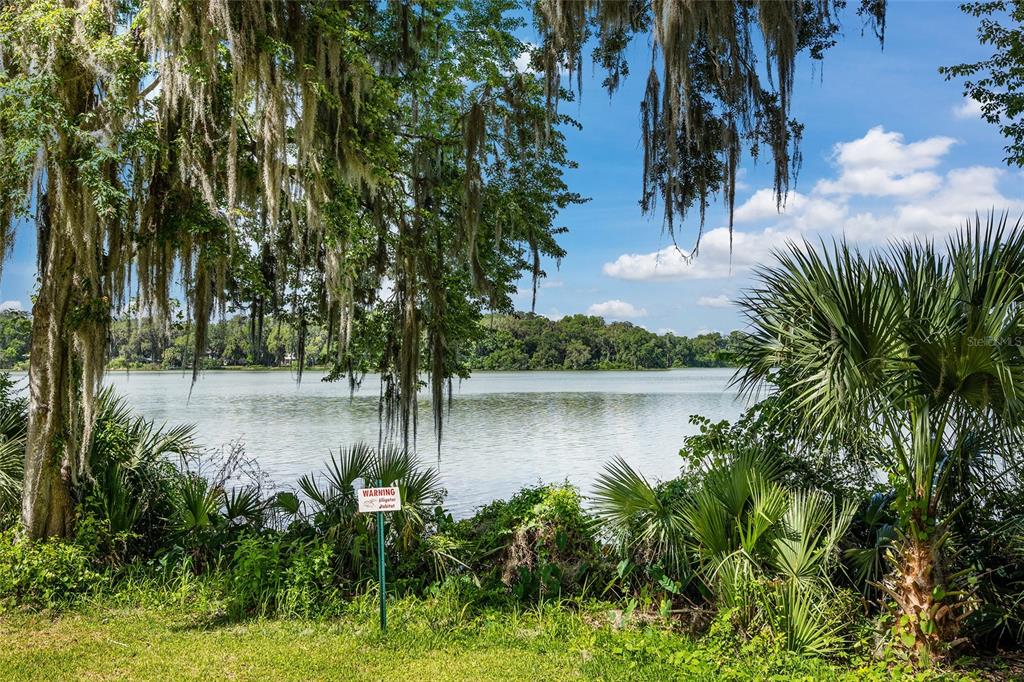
269 370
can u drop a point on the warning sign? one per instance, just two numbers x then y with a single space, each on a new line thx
379 499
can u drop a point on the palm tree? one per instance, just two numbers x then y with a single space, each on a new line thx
333 503
917 351
131 462
741 538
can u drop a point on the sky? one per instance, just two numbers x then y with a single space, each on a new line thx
890 149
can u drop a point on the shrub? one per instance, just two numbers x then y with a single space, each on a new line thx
415 557
540 542
43 575
738 539
273 576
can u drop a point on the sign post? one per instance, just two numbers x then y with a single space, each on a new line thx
379 500
380 571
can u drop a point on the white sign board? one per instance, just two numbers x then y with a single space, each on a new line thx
379 499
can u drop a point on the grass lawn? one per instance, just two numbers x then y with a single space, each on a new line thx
148 644
107 642
139 645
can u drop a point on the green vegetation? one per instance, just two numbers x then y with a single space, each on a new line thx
585 342
13 422
386 171
996 83
372 178
837 529
912 358
439 637
263 586
502 342
15 337
381 170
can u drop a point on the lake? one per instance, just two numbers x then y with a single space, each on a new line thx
505 429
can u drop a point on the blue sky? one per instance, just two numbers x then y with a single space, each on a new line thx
889 149
912 158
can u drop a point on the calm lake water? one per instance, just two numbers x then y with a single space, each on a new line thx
505 429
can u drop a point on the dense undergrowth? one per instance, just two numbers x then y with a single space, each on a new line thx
757 552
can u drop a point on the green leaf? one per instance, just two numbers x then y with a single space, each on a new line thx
669 584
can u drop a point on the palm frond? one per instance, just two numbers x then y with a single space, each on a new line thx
809 628
637 518
243 504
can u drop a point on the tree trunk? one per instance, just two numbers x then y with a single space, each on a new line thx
46 508
64 335
926 623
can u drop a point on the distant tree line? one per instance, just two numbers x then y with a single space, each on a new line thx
528 341
15 337
233 342
503 342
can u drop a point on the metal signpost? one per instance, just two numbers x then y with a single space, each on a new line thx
377 501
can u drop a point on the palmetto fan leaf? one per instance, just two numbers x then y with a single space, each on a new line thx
390 465
636 517
767 505
808 626
333 500
807 548
122 505
869 561
243 504
141 441
342 470
154 442
712 527
12 453
826 322
420 489
196 503
851 340
13 421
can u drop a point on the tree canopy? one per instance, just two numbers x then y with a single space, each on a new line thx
997 83
384 167
719 83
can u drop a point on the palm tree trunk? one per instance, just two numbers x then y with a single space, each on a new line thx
926 624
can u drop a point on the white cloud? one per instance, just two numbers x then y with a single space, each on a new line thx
741 174
799 211
881 164
10 305
616 310
720 301
523 60
717 258
554 315
762 205
962 193
884 188
667 330
969 108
